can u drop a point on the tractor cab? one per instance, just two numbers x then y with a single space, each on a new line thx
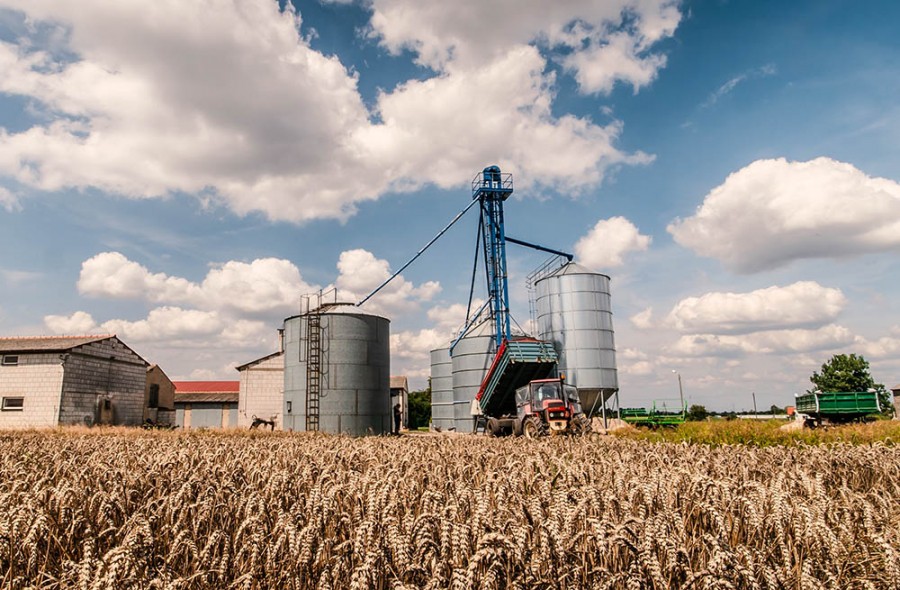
547 403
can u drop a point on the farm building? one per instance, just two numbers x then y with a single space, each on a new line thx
400 395
159 397
206 404
896 391
67 380
262 390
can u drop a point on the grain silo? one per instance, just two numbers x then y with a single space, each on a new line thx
337 371
574 312
441 389
471 359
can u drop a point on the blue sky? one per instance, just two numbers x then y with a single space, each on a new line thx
180 173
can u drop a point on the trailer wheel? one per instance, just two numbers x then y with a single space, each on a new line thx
493 427
532 427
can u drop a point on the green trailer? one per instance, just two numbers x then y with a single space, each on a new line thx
655 416
837 406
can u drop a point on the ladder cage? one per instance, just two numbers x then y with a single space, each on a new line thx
313 369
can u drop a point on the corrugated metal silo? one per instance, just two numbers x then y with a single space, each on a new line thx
354 359
574 311
471 359
441 389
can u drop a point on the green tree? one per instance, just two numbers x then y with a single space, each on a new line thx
849 372
774 410
419 408
697 413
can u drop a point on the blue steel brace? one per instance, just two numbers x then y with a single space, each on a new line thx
491 189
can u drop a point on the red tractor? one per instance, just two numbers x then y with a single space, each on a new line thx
543 406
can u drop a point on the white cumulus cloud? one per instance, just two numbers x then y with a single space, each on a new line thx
360 273
643 320
237 305
416 345
168 323
8 200
608 242
769 342
259 286
79 322
881 348
602 42
801 304
226 100
773 212
265 285
111 274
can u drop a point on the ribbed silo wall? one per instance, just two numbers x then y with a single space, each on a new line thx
574 311
441 389
355 373
471 359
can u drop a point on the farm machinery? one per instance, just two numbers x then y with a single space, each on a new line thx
518 395
655 416
524 369
543 406
836 407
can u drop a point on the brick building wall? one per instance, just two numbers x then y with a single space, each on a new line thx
99 370
262 391
38 379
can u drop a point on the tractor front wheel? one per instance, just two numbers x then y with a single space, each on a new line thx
532 427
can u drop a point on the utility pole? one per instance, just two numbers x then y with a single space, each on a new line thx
754 404
680 390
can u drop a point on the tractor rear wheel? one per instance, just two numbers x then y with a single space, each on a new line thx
532 427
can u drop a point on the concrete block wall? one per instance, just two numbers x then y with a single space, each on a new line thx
38 378
166 401
262 392
100 369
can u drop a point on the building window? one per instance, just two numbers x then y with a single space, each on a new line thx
289 407
13 404
10 360
153 402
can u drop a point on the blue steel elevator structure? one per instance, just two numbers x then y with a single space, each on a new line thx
491 188
519 360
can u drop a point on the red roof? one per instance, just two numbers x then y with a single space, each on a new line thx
207 386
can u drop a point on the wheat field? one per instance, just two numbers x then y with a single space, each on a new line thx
124 509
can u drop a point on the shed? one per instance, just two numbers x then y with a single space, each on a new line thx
46 381
159 397
262 390
400 395
206 404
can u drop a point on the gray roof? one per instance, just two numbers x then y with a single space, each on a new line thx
206 397
48 343
400 382
259 360
573 268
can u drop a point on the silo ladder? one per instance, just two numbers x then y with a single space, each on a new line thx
313 370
